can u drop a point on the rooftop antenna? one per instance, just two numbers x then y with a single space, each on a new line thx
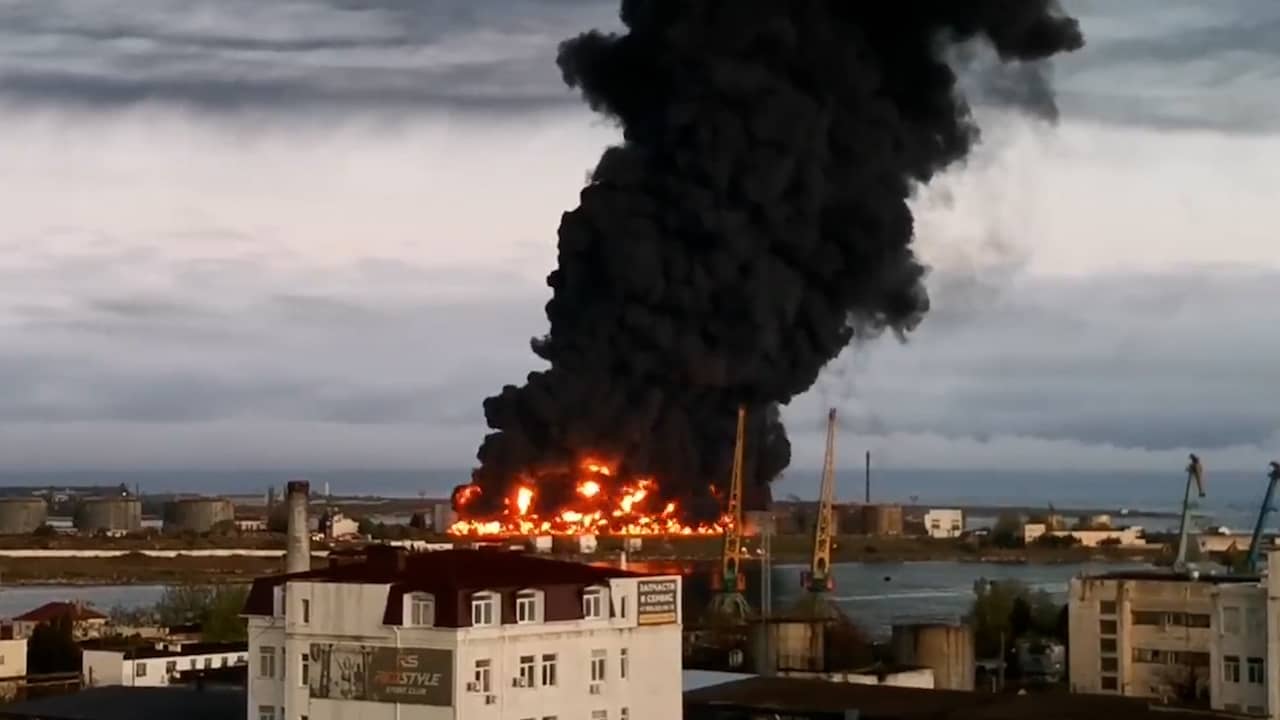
1195 473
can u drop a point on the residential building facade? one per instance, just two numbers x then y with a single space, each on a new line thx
1239 657
86 622
155 666
482 634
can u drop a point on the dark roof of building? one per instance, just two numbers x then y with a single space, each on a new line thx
117 702
440 571
51 611
879 702
147 650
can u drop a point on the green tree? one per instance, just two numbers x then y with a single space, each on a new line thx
52 647
216 608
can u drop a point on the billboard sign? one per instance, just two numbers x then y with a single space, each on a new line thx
657 600
376 673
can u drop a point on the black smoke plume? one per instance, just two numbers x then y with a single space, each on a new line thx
753 221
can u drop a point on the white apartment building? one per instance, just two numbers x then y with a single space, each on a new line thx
944 523
1238 671
474 634
156 665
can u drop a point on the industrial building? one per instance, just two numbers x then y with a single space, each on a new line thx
464 633
22 515
155 665
111 515
1144 633
1087 537
198 515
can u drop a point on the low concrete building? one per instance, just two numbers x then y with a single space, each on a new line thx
1120 537
13 658
157 665
944 523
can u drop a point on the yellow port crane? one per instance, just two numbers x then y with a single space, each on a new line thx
728 602
818 578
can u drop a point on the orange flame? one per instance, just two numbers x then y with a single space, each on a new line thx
604 505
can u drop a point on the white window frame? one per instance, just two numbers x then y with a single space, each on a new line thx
550 671
528 671
1259 678
420 609
305 610
486 609
139 668
528 607
1231 668
483 675
266 662
593 602
599 665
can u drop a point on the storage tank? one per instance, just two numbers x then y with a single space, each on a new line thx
882 519
116 514
22 516
197 514
947 649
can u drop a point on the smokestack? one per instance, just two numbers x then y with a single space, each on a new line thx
868 498
298 550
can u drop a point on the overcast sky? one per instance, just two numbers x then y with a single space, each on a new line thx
313 233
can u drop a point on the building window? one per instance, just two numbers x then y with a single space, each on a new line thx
1143 655
1231 668
139 669
1256 670
623 663
549 669
266 662
266 712
526 679
306 611
1110 664
624 714
225 661
548 717
599 715
1107 627
1107 607
598 660
422 610
304 670
483 609
1197 620
193 663
622 606
208 663
527 607
171 667
1256 621
1107 645
483 676
1231 620
239 659
1109 682
593 603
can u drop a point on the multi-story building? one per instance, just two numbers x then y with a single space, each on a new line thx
944 523
1146 634
1238 651
464 634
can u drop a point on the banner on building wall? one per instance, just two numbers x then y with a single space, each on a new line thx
656 601
377 673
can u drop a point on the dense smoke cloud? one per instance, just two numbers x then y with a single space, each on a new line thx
753 223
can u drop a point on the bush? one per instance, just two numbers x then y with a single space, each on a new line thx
1049 540
1109 542
1007 532
45 531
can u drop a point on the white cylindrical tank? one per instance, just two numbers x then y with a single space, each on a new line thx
946 649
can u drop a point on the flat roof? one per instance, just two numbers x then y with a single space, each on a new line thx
1170 575
875 702
116 702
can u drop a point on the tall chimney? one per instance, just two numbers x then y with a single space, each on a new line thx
297 556
868 496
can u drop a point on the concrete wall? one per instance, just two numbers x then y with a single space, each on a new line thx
353 613
13 658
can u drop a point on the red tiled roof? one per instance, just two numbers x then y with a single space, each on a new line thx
441 572
54 610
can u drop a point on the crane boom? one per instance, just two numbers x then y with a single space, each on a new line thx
819 575
1255 542
731 555
1195 473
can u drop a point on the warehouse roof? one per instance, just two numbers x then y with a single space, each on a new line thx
880 702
